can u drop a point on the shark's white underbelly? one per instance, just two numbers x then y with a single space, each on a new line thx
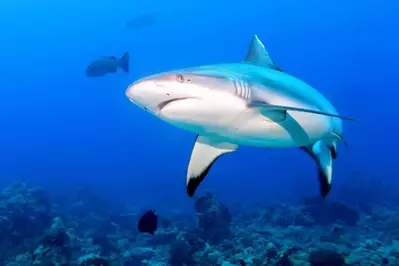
232 121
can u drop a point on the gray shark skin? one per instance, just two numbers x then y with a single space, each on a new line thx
253 103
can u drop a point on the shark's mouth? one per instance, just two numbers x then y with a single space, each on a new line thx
165 103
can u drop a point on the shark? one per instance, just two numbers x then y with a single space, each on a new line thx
248 103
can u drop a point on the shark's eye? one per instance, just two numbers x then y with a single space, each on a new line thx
180 78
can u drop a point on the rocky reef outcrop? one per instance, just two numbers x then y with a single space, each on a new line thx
24 214
214 219
38 230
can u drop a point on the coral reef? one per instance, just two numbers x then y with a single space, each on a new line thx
213 219
24 213
80 230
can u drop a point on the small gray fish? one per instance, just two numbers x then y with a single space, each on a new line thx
107 64
141 21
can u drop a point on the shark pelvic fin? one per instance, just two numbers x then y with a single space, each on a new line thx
323 154
204 154
297 109
258 55
341 138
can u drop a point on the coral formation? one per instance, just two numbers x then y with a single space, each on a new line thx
39 230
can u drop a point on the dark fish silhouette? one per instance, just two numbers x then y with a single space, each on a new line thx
107 64
148 222
141 21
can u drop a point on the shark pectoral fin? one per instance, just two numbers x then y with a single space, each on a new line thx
322 154
205 152
258 55
296 109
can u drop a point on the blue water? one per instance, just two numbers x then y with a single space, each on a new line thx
61 129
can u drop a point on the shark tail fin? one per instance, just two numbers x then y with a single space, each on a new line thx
323 154
124 62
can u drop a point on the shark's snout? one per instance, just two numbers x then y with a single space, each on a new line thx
133 91
130 92
138 93
150 94
155 92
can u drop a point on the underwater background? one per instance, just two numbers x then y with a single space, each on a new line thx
80 163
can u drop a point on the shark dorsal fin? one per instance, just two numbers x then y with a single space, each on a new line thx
258 55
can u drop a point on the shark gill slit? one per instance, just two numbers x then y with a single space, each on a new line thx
238 88
242 89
